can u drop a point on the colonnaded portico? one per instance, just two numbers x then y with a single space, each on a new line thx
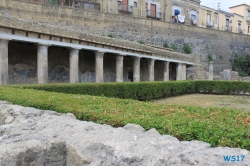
84 63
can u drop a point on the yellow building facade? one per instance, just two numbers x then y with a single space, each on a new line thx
244 11
186 12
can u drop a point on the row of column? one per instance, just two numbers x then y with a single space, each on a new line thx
181 73
42 66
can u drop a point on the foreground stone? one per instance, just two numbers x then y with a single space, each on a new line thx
29 136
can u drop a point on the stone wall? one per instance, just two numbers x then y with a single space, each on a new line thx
221 45
245 78
37 137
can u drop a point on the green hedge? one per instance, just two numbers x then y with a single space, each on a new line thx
219 127
222 87
144 91
139 91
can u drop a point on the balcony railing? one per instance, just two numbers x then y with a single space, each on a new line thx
125 8
194 22
81 4
52 2
210 23
153 14
87 5
228 28
240 31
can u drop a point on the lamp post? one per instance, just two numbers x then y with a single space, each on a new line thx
218 16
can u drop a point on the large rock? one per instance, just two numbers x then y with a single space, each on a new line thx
29 136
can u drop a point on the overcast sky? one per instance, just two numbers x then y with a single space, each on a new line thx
225 4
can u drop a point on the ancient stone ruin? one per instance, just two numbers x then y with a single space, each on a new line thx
29 136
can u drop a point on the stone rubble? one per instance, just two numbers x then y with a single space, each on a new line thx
29 136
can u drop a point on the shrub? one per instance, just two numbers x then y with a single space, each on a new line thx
221 57
210 58
241 64
219 127
110 35
187 49
174 47
138 91
165 45
141 42
233 68
243 74
146 90
53 2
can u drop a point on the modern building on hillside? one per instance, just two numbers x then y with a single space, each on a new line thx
244 11
231 22
189 10
185 12
208 17
221 20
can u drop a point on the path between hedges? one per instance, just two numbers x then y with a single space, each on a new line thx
207 100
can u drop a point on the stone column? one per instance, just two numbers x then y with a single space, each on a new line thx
136 69
4 76
119 68
179 72
99 66
211 71
184 71
166 71
42 63
74 65
151 68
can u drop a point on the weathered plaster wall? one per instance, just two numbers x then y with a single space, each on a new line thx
22 63
222 45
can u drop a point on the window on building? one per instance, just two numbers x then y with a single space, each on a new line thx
209 17
227 22
248 14
135 4
248 30
215 19
176 10
239 28
193 17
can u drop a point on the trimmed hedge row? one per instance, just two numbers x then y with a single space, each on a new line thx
222 87
138 91
147 90
219 127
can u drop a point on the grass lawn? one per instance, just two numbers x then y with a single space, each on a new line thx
209 100
219 127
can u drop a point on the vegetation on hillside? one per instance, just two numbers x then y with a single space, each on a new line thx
187 49
210 58
241 64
